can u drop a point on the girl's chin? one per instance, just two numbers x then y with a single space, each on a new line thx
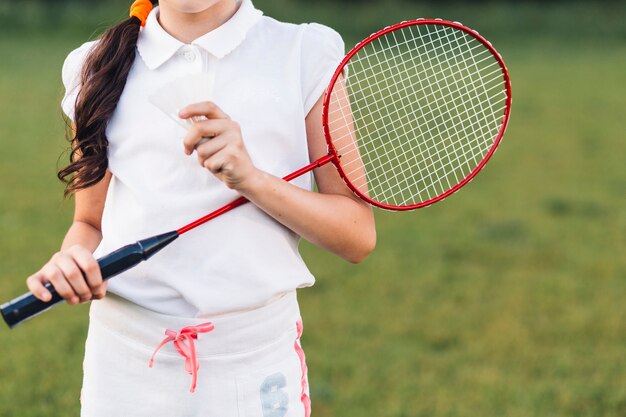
191 6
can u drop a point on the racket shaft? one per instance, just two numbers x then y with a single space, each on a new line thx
27 306
242 200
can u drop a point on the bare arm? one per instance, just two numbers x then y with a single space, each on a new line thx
86 226
73 271
334 219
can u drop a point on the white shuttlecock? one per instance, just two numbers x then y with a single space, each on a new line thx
176 95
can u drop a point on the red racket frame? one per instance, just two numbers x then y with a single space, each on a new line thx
482 163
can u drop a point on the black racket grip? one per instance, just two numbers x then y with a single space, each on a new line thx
28 306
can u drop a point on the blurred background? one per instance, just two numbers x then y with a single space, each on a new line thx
506 299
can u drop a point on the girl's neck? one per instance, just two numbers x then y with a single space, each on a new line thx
186 27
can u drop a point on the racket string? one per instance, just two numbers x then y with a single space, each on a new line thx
368 98
433 110
427 155
430 112
418 157
446 104
391 114
405 133
452 162
429 172
434 145
423 89
410 52
356 123
480 76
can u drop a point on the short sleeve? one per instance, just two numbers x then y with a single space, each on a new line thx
322 51
70 75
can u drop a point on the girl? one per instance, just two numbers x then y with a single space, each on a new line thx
223 298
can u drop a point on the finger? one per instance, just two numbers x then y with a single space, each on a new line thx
55 276
223 161
102 292
88 264
204 108
74 276
203 130
218 163
35 284
209 148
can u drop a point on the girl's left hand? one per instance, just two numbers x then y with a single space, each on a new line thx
219 145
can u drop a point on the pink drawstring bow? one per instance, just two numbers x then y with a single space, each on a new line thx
187 350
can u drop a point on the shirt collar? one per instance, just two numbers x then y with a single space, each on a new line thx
156 46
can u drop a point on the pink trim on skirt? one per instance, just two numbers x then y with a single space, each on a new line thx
306 401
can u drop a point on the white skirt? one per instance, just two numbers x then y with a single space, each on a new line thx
247 364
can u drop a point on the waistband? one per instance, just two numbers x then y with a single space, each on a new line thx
232 333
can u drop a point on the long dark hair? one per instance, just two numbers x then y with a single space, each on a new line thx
103 78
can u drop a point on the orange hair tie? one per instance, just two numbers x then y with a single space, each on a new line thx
141 9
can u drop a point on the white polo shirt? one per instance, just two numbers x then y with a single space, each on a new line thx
268 75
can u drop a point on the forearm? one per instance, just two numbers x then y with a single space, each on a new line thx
333 219
335 222
84 234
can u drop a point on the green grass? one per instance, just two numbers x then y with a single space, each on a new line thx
504 300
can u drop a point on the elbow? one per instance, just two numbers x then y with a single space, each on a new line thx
363 247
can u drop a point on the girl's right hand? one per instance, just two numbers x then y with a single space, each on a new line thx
75 275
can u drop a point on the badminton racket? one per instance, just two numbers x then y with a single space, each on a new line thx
411 115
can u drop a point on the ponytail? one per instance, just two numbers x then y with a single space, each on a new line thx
103 78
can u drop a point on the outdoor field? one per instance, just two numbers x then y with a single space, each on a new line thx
504 300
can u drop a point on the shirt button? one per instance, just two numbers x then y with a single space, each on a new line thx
189 56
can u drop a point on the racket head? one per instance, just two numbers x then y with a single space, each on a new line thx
445 61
